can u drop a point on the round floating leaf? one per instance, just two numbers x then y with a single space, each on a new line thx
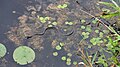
58 47
75 62
68 59
96 31
63 58
55 53
23 55
82 27
68 63
62 44
2 50
69 54
83 21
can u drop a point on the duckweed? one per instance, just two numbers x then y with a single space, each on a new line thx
68 63
96 31
75 63
54 23
82 27
43 19
58 47
69 23
68 60
55 53
83 21
85 35
63 58
62 6
95 21
69 54
88 28
62 44
96 41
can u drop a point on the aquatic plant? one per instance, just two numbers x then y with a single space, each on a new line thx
113 5
85 35
43 19
83 21
69 23
63 58
58 47
62 6
3 50
96 41
23 55
55 53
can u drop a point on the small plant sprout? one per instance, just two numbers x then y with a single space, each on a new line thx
2 50
58 47
55 53
23 55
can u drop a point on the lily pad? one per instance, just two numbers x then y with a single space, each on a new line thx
23 55
2 50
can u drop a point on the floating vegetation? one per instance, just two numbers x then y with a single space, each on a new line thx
83 21
62 6
86 32
63 58
69 54
3 50
75 63
82 27
43 19
96 41
55 53
69 23
23 55
85 35
68 63
58 47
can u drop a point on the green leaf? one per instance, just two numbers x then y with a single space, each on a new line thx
3 50
23 55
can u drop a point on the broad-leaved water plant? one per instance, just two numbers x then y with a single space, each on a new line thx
23 55
3 50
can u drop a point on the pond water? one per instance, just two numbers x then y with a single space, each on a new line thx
21 24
